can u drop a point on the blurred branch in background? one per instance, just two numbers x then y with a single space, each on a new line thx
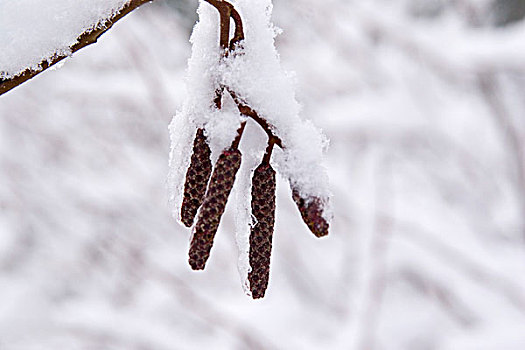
491 90
505 12
185 10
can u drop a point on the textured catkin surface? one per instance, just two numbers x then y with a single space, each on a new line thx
263 209
213 206
312 214
197 178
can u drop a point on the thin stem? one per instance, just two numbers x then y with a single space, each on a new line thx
268 153
249 112
238 36
224 13
224 9
235 143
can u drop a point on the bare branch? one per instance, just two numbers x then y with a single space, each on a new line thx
85 39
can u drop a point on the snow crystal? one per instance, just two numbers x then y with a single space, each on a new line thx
33 31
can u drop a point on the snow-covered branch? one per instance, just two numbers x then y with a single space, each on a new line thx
10 80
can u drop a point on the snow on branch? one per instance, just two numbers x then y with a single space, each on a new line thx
31 42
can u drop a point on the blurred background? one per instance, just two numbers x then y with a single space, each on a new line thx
424 104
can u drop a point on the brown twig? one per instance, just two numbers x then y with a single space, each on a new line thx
238 36
268 152
87 38
249 112
237 140
224 9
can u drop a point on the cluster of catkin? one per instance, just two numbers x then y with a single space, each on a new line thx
206 193
207 187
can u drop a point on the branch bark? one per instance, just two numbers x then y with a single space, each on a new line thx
85 39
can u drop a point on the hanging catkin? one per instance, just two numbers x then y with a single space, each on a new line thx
213 207
263 210
197 178
312 213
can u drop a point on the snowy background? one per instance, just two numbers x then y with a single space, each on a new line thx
424 104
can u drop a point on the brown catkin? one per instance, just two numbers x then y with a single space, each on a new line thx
263 209
197 178
213 206
311 211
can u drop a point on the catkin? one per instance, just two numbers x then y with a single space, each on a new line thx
197 178
311 211
213 206
263 209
